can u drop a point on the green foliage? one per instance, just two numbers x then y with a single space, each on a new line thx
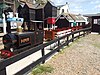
42 69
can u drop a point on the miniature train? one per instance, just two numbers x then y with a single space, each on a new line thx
16 42
22 39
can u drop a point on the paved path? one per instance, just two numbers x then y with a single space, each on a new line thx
81 58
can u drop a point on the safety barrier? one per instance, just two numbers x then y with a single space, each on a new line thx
67 39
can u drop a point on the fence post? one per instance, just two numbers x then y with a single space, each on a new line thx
58 45
72 37
3 71
67 40
87 32
43 53
83 33
79 35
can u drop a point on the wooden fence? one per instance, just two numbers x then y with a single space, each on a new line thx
67 39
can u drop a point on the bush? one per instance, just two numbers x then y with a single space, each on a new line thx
42 69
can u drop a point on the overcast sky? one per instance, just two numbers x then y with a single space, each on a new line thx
81 6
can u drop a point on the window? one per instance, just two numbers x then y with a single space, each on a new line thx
98 21
62 10
95 21
80 24
54 12
76 24
71 24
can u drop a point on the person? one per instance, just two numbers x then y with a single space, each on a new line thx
7 15
23 12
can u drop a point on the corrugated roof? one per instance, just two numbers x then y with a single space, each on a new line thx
68 16
30 5
52 3
40 6
36 6
77 17
72 17
60 6
90 15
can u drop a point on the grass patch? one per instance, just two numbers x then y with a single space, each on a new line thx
62 51
42 69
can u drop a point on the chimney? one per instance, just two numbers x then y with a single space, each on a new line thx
66 2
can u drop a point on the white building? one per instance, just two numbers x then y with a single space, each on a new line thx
62 9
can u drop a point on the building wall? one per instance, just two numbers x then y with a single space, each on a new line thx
50 10
32 14
65 8
39 14
54 11
47 10
96 24
62 23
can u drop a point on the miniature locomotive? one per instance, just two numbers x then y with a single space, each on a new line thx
21 41
16 42
28 37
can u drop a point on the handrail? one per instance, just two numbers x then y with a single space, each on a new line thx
22 55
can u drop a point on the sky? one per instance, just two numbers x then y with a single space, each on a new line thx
81 6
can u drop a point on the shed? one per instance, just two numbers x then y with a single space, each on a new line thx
44 11
94 20
79 19
64 20
69 20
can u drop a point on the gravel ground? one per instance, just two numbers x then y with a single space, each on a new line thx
81 58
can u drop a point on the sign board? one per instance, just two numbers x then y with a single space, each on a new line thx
51 20
74 23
